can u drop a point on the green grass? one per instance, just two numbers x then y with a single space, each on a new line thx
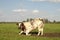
52 28
10 32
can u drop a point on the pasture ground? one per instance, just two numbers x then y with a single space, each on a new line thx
10 32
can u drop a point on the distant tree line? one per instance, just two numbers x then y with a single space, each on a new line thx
7 22
46 21
54 21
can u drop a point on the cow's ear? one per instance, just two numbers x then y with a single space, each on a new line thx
17 23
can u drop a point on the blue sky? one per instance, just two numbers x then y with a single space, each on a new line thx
19 10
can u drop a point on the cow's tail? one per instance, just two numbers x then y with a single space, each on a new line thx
43 20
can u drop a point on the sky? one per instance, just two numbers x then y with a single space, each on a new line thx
20 10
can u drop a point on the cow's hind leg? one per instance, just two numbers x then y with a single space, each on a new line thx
38 31
42 31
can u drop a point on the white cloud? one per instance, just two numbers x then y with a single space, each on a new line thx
39 12
35 11
20 10
54 0
46 0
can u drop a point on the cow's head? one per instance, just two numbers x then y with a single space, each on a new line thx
18 24
21 26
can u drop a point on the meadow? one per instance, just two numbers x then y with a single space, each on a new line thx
9 31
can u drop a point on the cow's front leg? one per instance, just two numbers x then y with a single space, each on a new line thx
27 32
21 32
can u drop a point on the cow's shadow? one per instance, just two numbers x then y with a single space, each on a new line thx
45 34
32 33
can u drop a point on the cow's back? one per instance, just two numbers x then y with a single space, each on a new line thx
38 23
27 25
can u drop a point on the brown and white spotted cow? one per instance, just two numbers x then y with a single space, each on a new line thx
27 27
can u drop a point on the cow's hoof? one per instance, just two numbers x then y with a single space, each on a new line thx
38 35
19 33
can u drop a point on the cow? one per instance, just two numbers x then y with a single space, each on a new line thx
27 27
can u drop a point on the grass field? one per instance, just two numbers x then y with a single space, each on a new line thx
10 32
